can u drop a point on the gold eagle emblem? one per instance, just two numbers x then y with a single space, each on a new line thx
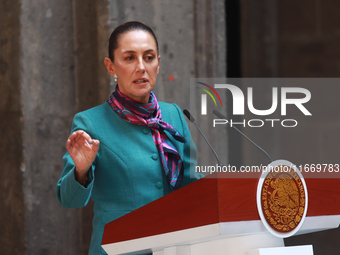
283 199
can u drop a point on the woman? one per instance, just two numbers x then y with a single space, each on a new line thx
130 150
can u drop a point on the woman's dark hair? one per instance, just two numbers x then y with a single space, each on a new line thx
124 28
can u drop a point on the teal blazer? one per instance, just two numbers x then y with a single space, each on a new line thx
127 172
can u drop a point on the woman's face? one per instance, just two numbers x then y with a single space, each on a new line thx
136 64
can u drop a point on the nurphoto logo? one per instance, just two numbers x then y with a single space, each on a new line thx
301 97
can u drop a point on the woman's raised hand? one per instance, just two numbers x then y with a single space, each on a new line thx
83 150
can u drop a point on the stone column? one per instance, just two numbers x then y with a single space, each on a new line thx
210 57
12 222
48 104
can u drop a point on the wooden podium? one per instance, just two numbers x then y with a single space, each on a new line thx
216 216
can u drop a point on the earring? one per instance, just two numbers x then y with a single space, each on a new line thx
115 77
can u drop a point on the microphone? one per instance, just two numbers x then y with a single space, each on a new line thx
192 119
221 116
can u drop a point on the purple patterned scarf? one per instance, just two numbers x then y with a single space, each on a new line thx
149 114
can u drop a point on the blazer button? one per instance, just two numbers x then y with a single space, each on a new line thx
145 130
159 185
154 156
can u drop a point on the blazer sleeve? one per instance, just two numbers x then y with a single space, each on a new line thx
70 193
